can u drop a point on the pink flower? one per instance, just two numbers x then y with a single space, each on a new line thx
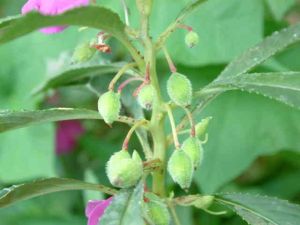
67 134
52 7
95 210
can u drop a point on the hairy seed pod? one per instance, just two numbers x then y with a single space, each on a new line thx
109 106
83 53
201 127
193 148
146 96
191 39
179 88
156 210
181 169
124 171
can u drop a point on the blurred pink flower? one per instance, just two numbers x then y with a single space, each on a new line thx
67 134
95 210
52 7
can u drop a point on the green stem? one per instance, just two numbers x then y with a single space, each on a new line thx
173 126
174 214
130 132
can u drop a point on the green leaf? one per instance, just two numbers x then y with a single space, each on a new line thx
262 51
282 86
37 188
16 119
126 208
78 74
279 7
262 210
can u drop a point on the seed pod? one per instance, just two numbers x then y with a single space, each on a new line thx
179 88
109 106
146 96
193 148
191 39
156 210
201 127
180 167
83 53
124 171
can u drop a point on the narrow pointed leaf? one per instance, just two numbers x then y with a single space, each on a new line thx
37 188
17 119
126 208
262 210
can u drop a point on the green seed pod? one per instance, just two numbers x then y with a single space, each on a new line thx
179 88
201 127
191 39
146 96
193 148
109 106
180 167
156 210
124 171
83 53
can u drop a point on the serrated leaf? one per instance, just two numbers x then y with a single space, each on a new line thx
17 119
262 51
259 210
126 208
281 86
37 188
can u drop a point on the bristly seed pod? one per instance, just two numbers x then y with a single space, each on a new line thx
124 171
181 169
146 96
193 148
191 39
83 53
109 106
179 88
156 210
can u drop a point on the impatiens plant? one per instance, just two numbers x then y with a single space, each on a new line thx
172 149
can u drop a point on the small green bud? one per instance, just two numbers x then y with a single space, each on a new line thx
109 106
156 210
180 167
179 88
191 39
83 53
201 127
193 148
146 96
124 171
204 202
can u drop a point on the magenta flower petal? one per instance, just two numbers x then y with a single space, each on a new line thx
95 210
52 7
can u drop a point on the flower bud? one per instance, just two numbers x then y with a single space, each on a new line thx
201 127
180 167
109 106
193 148
124 171
204 202
156 210
146 96
83 53
191 39
179 88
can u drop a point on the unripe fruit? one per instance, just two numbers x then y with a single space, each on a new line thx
146 96
179 88
193 148
124 171
191 39
109 106
181 169
201 127
83 53
156 210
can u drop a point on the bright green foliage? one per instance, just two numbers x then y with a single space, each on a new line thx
156 210
191 39
109 106
146 96
180 167
83 52
193 148
179 88
124 171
